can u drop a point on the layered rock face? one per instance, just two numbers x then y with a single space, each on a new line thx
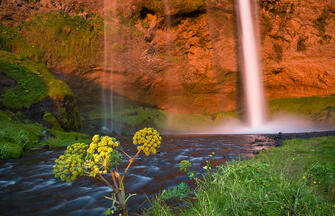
174 55
181 55
298 47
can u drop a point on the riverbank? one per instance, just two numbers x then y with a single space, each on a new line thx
18 136
297 178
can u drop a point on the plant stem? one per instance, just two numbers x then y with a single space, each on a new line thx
130 162
114 181
107 182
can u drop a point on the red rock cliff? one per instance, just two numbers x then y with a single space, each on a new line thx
181 55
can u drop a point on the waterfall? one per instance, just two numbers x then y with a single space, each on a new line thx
252 79
108 84
104 79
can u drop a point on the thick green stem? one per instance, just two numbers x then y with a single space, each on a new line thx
122 202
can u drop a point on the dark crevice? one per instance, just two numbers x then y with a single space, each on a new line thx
144 12
177 18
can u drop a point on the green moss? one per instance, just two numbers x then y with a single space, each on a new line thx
48 117
7 35
68 42
10 150
66 138
6 116
314 108
34 82
16 136
31 87
23 135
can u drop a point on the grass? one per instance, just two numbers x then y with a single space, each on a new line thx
17 136
314 108
298 178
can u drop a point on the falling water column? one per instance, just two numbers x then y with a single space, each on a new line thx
108 83
104 79
252 79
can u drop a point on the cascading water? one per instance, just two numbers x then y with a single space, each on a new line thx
252 78
108 83
104 79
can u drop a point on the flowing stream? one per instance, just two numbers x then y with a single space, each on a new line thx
27 185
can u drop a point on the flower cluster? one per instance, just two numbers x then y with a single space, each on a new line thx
69 166
100 152
148 140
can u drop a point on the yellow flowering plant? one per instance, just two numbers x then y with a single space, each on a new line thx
101 158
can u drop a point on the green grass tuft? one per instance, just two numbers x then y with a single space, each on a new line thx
298 178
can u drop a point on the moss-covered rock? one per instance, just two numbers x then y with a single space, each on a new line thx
18 135
61 138
36 91
69 44
318 109
10 150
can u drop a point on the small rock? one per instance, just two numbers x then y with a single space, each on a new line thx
256 152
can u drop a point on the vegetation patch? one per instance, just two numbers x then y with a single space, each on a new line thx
320 109
34 82
16 136
68 42
61 138
10 150
133 117
37 91
295 179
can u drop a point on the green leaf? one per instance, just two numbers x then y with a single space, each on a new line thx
108 212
